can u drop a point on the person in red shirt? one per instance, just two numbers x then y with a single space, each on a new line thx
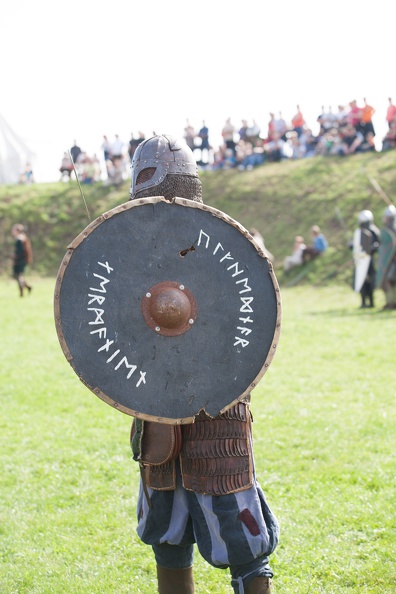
298 122
390 113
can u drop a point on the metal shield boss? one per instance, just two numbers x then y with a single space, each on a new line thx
166 309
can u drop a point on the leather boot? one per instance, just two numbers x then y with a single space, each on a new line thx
259 585
175 581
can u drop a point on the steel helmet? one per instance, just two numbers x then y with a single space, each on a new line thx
157 157
365 216
389 212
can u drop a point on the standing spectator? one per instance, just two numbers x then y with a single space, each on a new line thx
390 112
203 134
354 116
117 149
66 167
319 244
189 135
242 131
386 275
23 256
366 124
271 126
106 148
341 117
75 152
326 120
228 133
134 143
298 122
280 126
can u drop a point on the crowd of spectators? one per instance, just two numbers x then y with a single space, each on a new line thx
344 131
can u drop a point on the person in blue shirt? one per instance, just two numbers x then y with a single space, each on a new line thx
319 244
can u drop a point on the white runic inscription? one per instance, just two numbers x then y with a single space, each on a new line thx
131 367
102 284
240 341
227 257
244 281
99 313
101 331
142 379
106 265
244 330
246 304
106 346
201 233
94 298
113 355
98 298
235 270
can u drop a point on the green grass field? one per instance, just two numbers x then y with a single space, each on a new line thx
324 429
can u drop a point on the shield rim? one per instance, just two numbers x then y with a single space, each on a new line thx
190 204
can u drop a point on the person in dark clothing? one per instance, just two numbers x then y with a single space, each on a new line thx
365 244
75 152
189 495
22 256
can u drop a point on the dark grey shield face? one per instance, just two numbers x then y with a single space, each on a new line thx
165 309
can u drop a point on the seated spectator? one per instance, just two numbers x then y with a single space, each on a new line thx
309 142
27 176
275 148
296 259
319 245
253 133
250 155
259 239
389 140
368 143
351 140
297 149
329 143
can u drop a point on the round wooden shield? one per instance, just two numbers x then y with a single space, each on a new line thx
164 309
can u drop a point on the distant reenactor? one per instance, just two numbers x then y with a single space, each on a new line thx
386 275
365 244
23 255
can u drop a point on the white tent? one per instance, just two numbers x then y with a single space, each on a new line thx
14 155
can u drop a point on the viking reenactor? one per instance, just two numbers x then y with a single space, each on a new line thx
169 311
365 244
23 255
386 275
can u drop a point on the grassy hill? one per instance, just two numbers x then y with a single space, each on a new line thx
280 200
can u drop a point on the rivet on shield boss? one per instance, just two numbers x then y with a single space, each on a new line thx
165 309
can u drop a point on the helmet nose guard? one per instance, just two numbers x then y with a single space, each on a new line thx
157 157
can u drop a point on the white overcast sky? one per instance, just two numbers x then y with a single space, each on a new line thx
83 68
